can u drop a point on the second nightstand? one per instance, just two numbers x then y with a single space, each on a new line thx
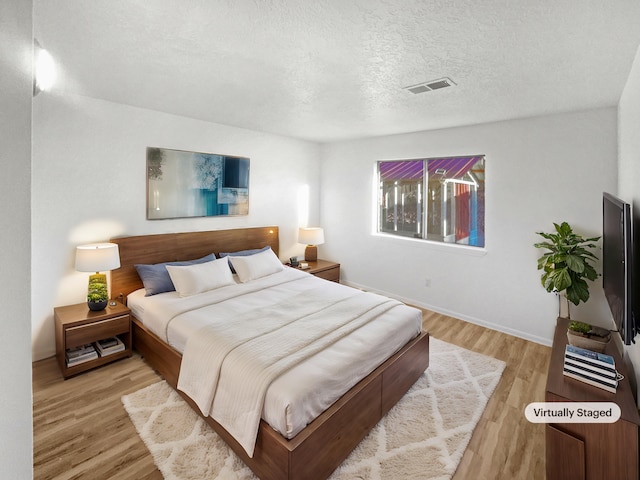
325 269
76 325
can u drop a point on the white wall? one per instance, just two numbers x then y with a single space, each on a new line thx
89 184
629 139
539 171
629 168
16 54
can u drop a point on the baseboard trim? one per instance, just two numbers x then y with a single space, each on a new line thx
477 321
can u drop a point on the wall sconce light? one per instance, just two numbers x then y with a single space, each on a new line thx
44 69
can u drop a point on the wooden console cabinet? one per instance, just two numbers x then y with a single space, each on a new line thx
591 451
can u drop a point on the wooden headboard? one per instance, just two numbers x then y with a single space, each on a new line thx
173 247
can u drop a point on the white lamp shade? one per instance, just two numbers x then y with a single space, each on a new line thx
311 236
97 257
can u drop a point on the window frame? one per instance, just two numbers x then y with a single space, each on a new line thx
377 224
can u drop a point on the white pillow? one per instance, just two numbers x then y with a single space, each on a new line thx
256 266
201 277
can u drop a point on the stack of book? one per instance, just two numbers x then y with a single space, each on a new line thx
81 354
108 346
594 368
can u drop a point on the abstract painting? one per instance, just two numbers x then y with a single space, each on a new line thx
184 184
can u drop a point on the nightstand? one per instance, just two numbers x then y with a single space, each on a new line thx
76 325
325 269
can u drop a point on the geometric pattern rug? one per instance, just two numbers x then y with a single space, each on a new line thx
423 436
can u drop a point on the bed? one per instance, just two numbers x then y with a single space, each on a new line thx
282 449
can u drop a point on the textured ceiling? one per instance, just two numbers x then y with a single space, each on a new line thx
327 70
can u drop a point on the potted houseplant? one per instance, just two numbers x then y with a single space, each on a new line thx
566 266
97 296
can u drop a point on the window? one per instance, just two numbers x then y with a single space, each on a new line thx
437 199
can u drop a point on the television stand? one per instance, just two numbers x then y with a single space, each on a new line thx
590 450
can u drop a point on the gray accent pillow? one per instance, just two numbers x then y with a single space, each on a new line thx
156 279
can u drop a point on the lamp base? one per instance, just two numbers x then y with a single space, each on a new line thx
98 278
97 294
311 253
97 306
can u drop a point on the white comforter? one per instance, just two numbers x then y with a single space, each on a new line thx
247 337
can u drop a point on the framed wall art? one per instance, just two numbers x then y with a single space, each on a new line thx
184 184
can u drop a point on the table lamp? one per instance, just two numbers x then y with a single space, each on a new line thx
311 236
97 257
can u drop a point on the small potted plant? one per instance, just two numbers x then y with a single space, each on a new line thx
587 336
97 296
566 266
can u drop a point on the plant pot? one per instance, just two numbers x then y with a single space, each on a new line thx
97 306
594 343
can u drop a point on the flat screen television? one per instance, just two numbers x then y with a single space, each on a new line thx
617 264
236 172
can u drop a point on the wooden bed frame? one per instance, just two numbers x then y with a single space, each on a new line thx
322 446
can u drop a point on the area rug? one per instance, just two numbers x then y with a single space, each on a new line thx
423 437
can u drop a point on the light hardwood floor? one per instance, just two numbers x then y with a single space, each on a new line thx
81 430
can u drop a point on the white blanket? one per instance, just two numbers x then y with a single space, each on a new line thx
243 357
303 392
160 314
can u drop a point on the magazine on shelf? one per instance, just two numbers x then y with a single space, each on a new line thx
590 369
593 368
81 354
591 381
110 345
589 357
80 350
613 381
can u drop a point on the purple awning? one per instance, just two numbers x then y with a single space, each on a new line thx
448 167
402 170
454 167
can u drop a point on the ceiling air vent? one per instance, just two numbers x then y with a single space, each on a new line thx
431 85
418 89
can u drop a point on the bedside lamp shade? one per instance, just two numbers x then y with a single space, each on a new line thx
311 236
97 257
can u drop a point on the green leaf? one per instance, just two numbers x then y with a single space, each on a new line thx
544 245
561 279
575 263
578 292
547 282
563 229
590 272
542 261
